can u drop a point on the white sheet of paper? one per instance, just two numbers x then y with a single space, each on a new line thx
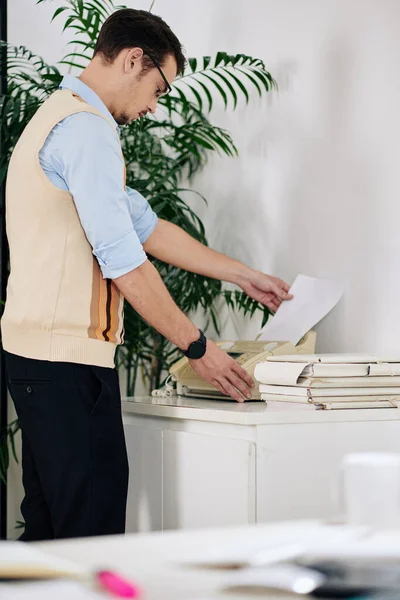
313 299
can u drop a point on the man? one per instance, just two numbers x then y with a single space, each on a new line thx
78 243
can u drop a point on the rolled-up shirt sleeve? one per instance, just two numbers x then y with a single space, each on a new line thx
88 157
144 219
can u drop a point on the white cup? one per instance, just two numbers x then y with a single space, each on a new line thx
370 489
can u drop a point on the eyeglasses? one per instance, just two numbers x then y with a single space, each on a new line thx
156 64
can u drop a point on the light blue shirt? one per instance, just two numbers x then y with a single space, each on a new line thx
82 154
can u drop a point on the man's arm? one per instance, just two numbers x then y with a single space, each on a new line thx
144 289
85 143
174 246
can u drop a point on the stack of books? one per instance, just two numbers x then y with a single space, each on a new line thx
329 381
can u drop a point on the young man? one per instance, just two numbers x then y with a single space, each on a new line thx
78 243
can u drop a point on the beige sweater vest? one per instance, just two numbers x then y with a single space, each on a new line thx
58 306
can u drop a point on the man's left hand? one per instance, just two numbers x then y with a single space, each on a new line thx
266 289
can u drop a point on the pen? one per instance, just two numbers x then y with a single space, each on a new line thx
116 585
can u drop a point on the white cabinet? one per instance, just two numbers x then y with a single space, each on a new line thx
144 507
208 481
180 480
198 463
298 464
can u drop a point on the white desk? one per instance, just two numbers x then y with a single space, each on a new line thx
149 560
206 463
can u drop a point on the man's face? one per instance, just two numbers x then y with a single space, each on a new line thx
140 93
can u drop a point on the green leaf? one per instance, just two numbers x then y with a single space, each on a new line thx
197 95
221 56
72 64
265 316
262 77
59 11
69 22
229 85
12 443
206 61
239 84
3 172
99 6
219 88
52 77
214 319
193 64
76 42
254 81
207 93
77 55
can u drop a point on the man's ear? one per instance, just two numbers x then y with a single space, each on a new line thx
133 60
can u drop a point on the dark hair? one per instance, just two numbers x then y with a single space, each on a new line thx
130 28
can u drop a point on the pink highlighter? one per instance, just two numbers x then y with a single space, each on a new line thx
116 585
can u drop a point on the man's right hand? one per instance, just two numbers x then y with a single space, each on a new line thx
224 373
145 291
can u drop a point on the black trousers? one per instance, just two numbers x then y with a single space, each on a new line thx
74 461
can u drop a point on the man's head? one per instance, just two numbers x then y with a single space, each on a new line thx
138 57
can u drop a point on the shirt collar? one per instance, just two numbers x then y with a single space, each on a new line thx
88 95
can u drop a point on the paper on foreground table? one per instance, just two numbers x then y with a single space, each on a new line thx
269 541
49 590
287 578
19 561
313 299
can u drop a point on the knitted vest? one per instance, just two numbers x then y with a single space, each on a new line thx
58 306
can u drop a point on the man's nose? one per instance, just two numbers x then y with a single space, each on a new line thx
152 107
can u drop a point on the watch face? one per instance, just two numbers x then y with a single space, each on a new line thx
197 349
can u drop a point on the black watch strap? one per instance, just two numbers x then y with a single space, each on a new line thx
198 348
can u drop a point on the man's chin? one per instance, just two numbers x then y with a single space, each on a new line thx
123 120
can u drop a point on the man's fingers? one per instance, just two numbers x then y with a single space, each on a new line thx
232 391
239 384
274 304
227 389
219 387
282 291
243 375
282 294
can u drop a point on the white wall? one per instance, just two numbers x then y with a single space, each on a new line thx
315 189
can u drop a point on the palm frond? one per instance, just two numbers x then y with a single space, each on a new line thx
240 302
16 110
30 80
84 18
30 72
226 75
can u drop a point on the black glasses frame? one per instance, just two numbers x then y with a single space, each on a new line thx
157 65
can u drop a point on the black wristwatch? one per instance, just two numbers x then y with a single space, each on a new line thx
198 348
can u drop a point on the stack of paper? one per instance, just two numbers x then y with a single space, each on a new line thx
330 381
